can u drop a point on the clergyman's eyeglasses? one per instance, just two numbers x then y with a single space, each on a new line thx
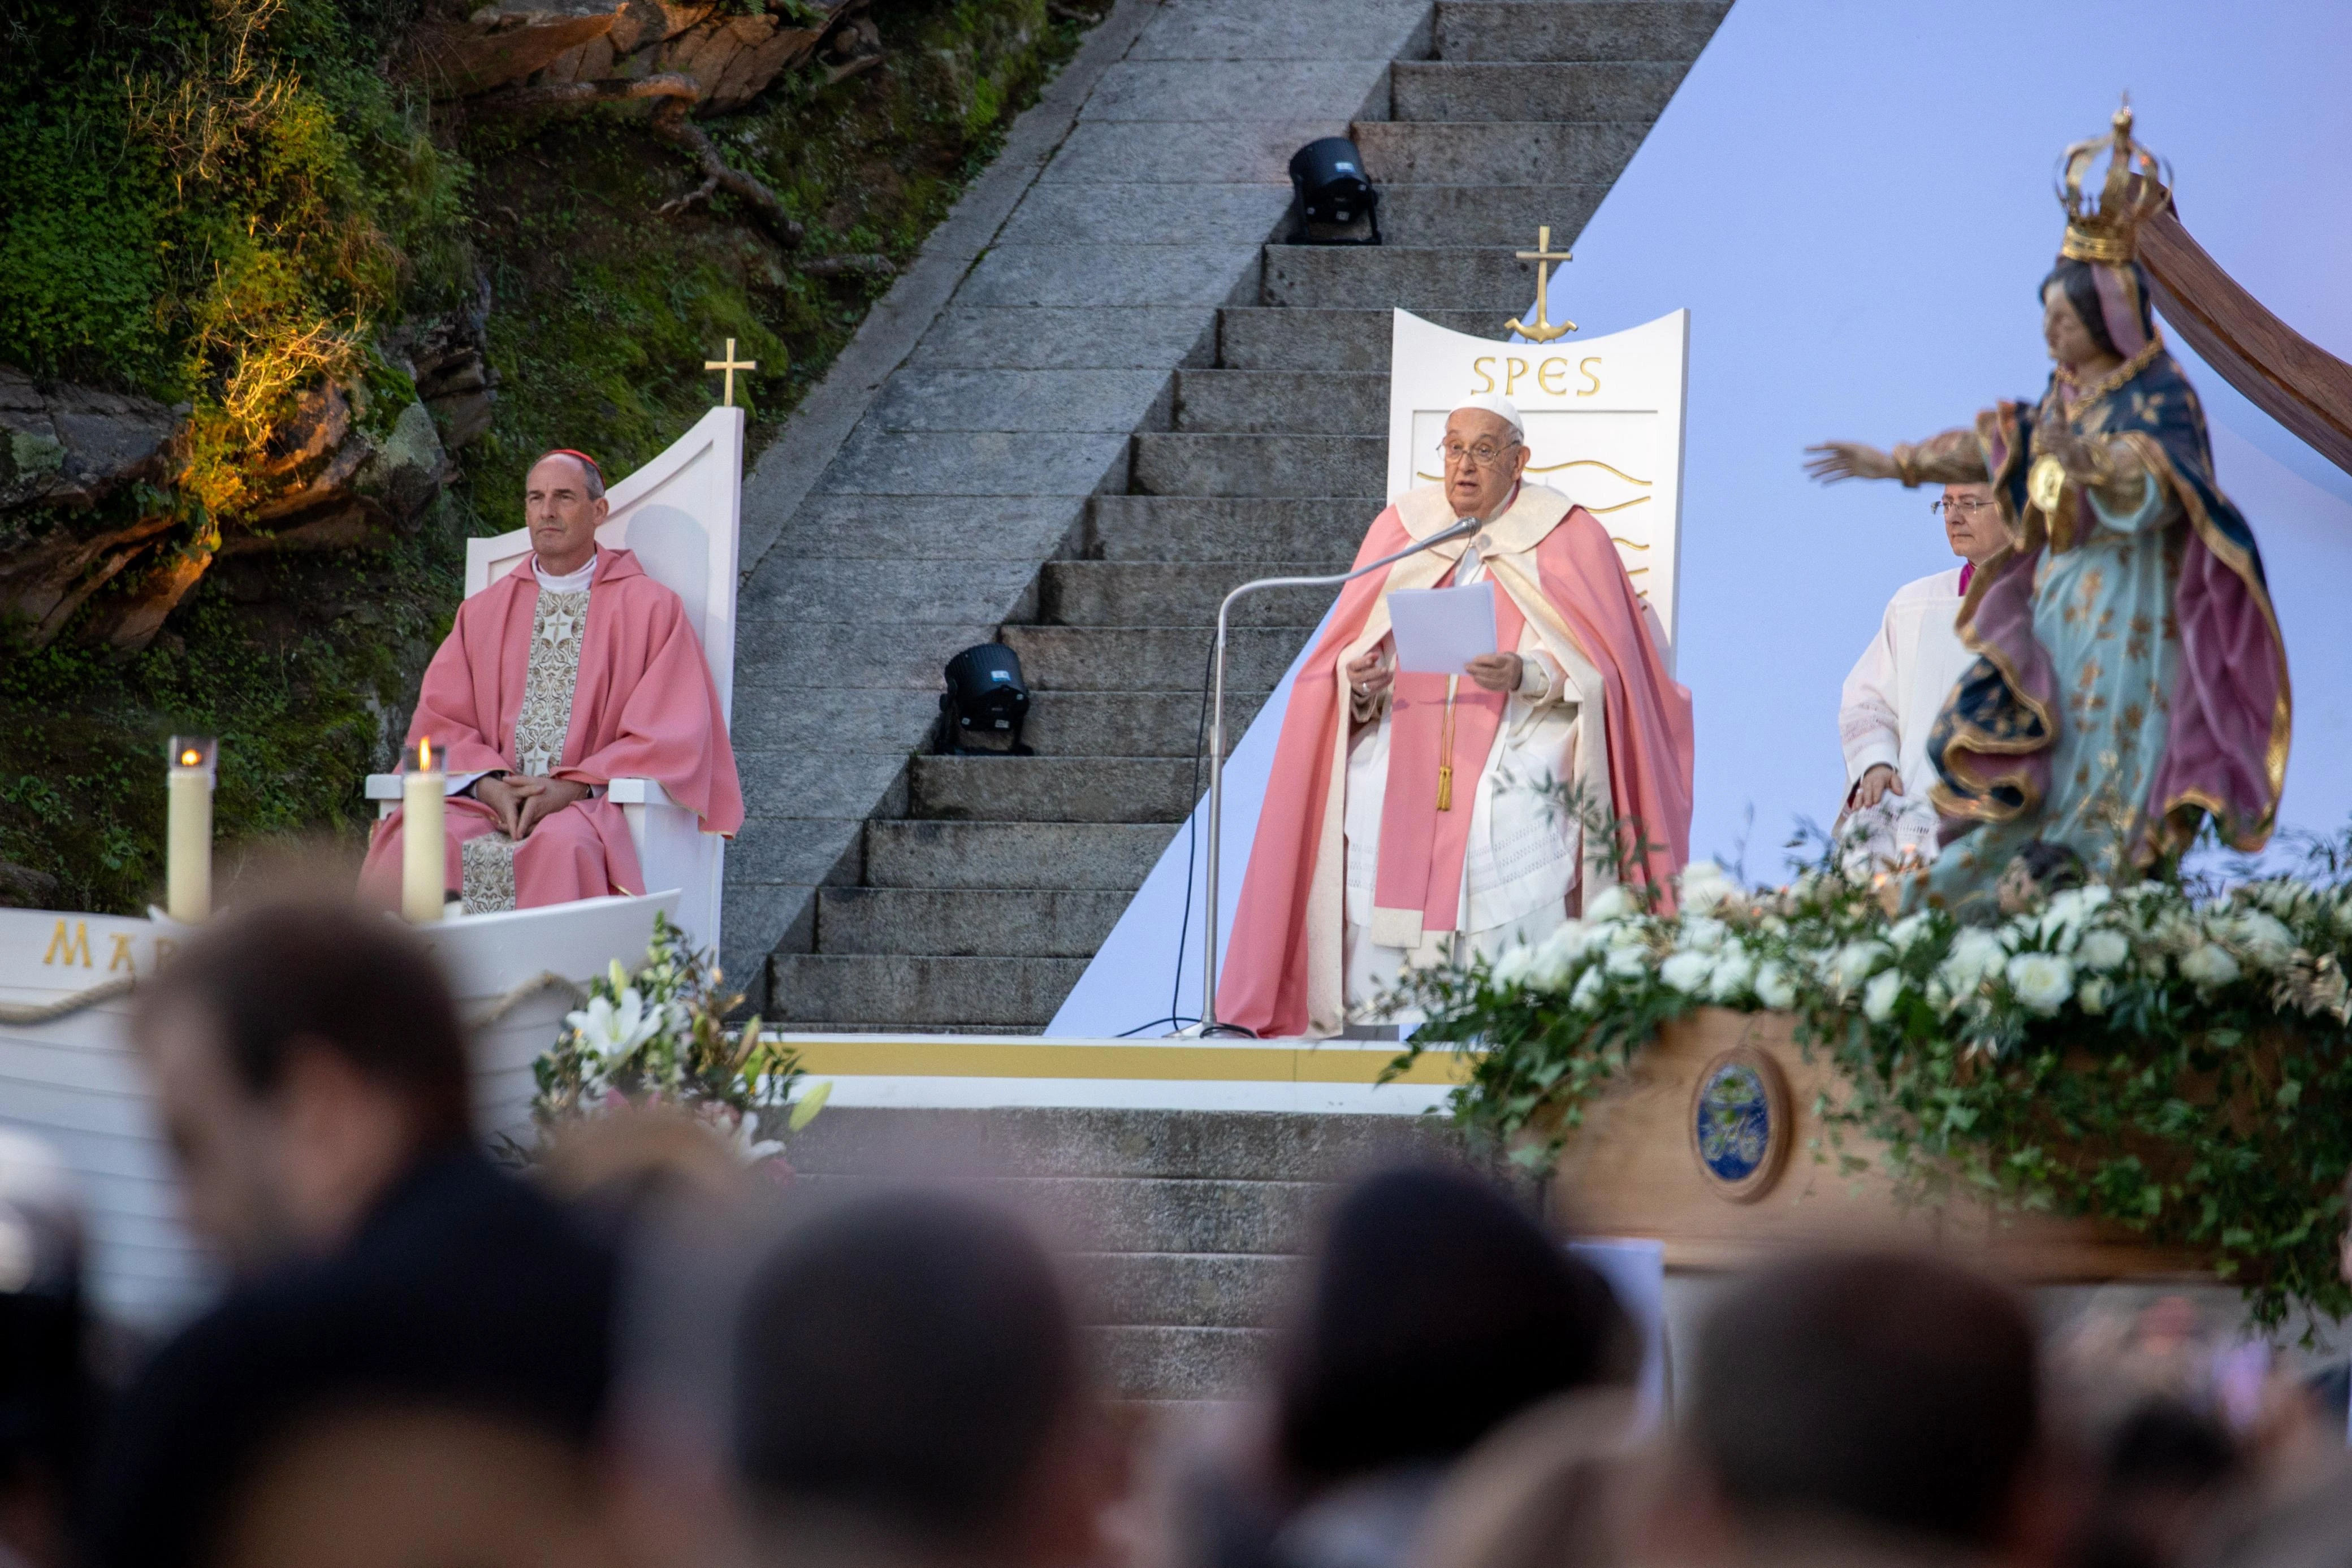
1486 454
1966 506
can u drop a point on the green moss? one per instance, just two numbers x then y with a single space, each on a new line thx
299 664
223 200
603 311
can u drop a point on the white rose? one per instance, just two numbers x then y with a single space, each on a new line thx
1775 987
1907 932
1612 903
2207 964
1703 933
2105 949
1704 887
2042 981
1511 969
2074 905
2265 940
1687 972
1733 973
1878 997
1625 934
1854 963
2091 996
1627 961
1549 969
1976 952
1587 994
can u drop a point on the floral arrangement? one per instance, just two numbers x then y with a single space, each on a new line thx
2175 1056
658 1037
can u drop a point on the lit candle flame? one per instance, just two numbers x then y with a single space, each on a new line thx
425 755
190 758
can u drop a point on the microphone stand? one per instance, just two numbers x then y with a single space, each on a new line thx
1209 1024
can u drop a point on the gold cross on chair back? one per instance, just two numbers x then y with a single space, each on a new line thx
730 364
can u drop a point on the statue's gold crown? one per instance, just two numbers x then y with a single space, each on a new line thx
2138 186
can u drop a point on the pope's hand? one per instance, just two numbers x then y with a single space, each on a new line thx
549 797
1370 675
1877 781
1498 672
1837 459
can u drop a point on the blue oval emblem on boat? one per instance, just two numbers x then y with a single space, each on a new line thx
1740 1123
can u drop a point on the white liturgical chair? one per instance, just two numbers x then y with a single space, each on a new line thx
680 514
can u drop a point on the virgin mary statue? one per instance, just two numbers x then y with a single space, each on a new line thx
2130 681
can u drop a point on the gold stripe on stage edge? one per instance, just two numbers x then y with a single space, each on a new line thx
846 1058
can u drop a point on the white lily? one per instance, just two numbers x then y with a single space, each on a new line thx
612 1032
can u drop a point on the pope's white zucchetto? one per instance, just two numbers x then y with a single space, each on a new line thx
1501 407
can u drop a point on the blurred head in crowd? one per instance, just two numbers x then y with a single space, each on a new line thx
46 1394
2160 1474
1437 1311
346 1488
1890 1391
304 1054
1550 1490
908 1381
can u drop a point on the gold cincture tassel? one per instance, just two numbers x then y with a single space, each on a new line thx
1445 750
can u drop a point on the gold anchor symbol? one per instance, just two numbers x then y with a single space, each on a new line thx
1543 331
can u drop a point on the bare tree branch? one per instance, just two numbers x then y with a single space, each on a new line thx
866 264
671 124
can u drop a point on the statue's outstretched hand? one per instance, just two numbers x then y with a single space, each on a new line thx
1835 460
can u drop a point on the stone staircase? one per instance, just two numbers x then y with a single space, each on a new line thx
1186 1230
979 906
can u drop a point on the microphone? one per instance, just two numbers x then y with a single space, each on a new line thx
1209 1024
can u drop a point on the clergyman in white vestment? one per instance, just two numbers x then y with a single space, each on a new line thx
1898 687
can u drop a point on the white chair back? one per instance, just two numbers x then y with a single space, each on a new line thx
1604 425
681 513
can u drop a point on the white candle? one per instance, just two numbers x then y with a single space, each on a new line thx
424 802
188 829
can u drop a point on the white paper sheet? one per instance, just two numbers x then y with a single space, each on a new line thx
1440 630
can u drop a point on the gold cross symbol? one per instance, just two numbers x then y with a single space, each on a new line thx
730 364
1543 331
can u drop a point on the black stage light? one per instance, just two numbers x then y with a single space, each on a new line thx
985 694
1331 192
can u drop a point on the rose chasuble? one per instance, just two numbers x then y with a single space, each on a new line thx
605 683
1395 834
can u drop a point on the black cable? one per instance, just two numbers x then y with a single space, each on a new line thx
1192 855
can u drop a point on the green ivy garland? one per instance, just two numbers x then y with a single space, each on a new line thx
2171 1056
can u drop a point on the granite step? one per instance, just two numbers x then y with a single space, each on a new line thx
1151 658
1521 152
1289 401
1275 338
1394 277
1127 724
1488 215
957 922
895 990
1051 789
1157 1361
1185 1290
1616 30
1456 90
1231 528
1113 1142
1178 593
1174 462
1111 856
